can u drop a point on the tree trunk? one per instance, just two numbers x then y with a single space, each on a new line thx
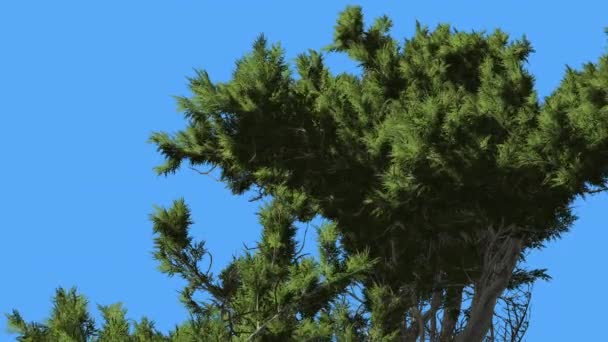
499 263
451 312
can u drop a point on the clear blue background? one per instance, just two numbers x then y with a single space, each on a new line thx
84 83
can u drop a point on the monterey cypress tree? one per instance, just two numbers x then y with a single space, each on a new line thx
437 169
438 159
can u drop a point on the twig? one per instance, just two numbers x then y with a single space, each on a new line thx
259 196
206 173
263 326
250 248
303 240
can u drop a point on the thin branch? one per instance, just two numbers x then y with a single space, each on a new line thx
303 240
295 260
210 263
352 294
259 196
265 324
596 191
247 248
206 173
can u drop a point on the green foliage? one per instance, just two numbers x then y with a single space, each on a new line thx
437 140
272 294
115 327
69 321
430 167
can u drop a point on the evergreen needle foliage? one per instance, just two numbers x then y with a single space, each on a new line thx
437 169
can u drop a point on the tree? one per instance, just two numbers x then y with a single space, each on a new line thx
273 294
438 159
437 170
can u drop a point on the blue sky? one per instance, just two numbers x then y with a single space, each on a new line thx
84 83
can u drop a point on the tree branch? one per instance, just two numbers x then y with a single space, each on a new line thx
499 263
206 173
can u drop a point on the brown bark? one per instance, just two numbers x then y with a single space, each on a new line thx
417 330
435 305
451 312
501 256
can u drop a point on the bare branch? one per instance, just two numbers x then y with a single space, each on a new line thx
303 240
206 173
